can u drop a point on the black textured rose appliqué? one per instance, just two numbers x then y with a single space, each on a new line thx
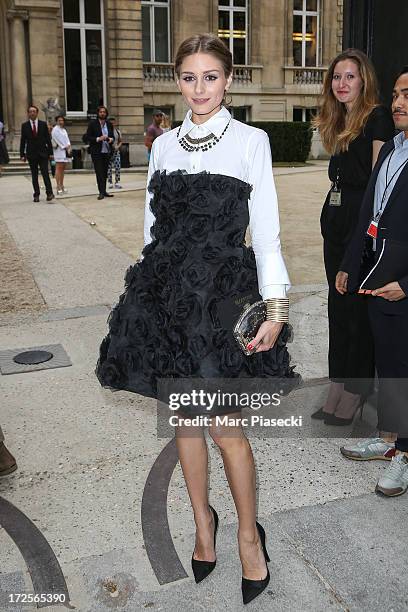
155 182
111 373
198 346
213 252
177 339
249 260
200 182
196 275
227 214
222 186
197 227
175 185
138 329
114 321
236 237
162 268
225 280
231 359
188 310
186 364
199 202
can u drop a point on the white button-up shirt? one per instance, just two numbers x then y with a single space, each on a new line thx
244 153
394 162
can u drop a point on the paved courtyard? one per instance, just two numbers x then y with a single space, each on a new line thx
97 511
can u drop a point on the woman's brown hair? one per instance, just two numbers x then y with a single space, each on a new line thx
337 127
204 43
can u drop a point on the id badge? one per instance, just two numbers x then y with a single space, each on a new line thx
373 229
335 197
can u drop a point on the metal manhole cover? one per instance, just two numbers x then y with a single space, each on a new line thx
33 357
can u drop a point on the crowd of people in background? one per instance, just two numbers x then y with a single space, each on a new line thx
48 148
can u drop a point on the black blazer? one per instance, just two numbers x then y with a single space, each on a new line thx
393 224
40 146
94 130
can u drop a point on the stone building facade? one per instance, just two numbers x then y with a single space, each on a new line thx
119 52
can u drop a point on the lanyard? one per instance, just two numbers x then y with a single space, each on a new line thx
388 182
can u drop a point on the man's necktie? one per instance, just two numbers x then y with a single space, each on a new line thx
34 130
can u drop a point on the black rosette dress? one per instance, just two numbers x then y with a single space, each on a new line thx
165 324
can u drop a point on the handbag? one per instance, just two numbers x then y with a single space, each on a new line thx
243 314
248 324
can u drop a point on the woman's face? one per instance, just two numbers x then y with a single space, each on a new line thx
347 82
61 122
202 83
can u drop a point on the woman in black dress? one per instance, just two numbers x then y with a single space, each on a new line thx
207 180
353 127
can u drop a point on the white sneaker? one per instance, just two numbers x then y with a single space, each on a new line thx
368 449
60 192
65 190
394 481
110 186
117 186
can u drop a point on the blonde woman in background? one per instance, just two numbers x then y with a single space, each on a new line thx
166 123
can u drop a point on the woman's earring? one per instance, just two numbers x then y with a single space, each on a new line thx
225 101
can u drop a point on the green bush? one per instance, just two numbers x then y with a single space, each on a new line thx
290 141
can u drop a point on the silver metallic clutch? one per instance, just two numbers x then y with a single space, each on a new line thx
248 323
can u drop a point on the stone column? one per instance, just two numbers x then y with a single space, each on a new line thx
19 73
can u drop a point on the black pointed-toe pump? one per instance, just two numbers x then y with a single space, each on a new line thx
201 569
253 588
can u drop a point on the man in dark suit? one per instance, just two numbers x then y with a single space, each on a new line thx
384 215
36 147
100 138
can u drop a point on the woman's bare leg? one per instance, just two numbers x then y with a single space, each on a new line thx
348 405
333 397
193 456
239 468
58 175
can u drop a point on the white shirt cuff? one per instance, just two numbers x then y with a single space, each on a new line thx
274 291
273 278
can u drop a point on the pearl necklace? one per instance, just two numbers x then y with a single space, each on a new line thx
193 145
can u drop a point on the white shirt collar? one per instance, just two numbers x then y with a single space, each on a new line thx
400 140
215 125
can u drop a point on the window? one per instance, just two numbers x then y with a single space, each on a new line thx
306 23
304 114
233 28
84 46
241 113
155 30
